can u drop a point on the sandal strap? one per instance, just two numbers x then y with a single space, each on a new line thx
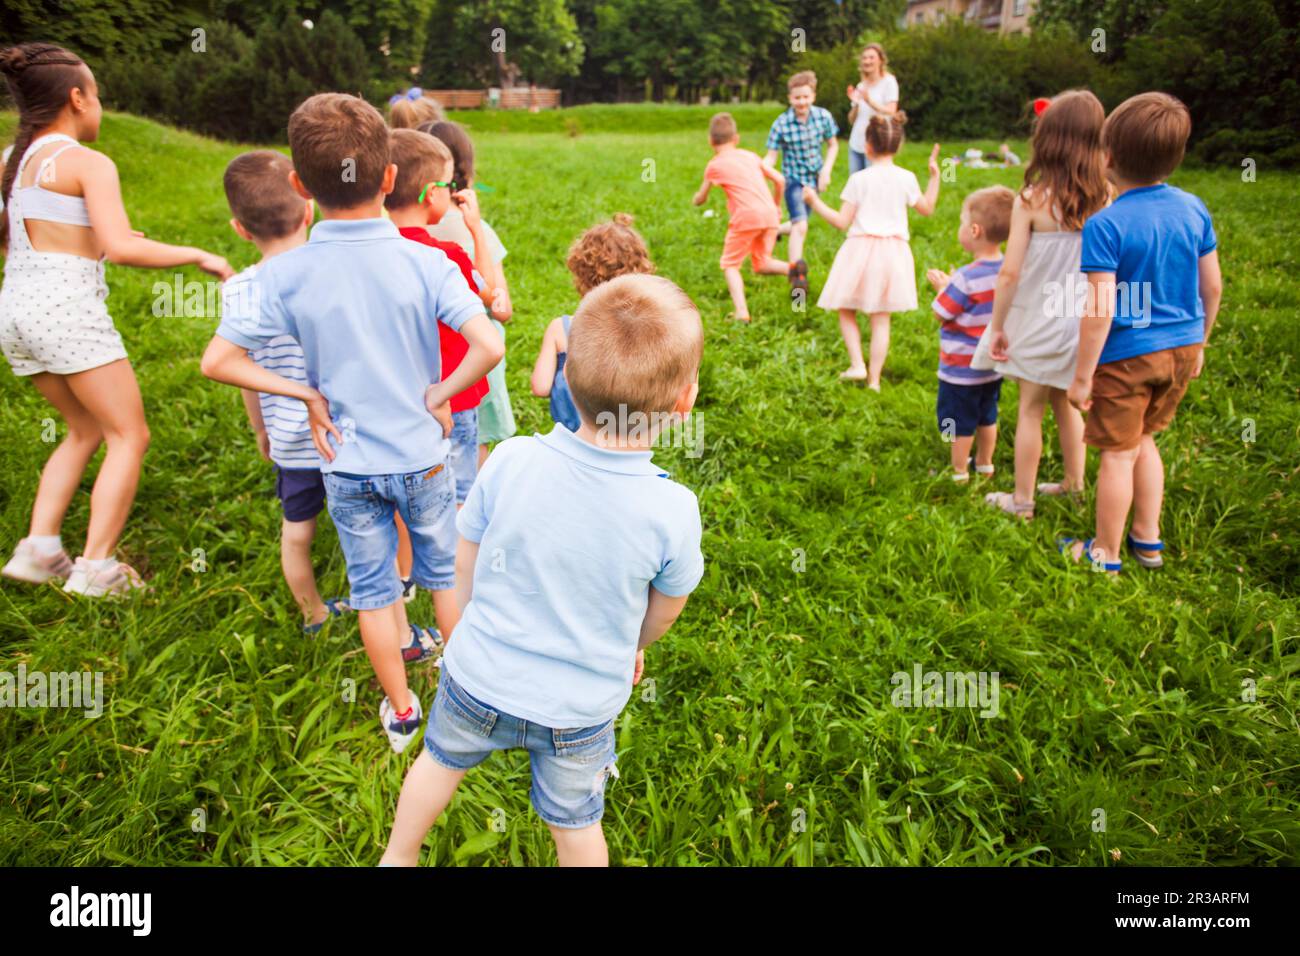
1145 545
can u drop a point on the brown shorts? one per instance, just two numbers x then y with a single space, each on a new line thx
1137 396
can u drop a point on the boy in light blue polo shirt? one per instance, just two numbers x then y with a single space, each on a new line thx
364 304
576 553
1154 288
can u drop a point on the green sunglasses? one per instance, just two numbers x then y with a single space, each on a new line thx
435 185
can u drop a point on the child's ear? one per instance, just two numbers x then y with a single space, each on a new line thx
297 185
309 213
686 397
390 179
240 231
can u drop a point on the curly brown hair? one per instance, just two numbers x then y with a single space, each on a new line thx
607 250
1066 161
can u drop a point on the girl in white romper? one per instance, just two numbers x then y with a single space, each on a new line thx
63 217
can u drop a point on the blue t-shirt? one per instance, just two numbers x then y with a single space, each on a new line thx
364 303
1152 239
571 539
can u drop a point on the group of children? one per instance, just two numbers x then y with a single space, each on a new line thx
369 348
1103 302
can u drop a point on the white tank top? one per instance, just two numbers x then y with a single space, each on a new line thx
37 202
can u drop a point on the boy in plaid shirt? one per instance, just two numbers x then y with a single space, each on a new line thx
799 133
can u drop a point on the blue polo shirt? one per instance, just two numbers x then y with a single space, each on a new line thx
364 303
1152 239
571 538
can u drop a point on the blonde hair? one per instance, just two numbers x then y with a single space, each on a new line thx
990 209
634 344
802 78
408 114
607 250
722 129
420 159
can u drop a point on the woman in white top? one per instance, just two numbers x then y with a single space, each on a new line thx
875 95
63 217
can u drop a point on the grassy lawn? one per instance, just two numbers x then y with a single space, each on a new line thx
838 554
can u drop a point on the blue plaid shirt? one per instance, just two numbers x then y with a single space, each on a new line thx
801 143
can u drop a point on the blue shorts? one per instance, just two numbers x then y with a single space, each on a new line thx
464 451
362 507
794 200
569 767
963 408
301 492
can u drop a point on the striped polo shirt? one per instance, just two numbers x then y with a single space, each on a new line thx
965 306
285 418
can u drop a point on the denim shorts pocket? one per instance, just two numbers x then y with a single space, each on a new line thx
585 744
430 493
353 502
464 709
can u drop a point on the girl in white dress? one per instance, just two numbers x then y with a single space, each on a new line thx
63 217
1033 335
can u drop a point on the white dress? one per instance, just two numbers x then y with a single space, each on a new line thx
1042 326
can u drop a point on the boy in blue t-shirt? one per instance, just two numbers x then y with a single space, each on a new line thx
1154 287
364 304
576 553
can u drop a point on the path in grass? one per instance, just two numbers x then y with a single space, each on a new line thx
838 554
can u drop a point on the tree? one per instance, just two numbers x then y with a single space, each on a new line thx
472 43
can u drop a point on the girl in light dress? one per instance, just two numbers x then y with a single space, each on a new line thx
874 271
1033 335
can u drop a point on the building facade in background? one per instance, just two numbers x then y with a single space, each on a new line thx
1005 16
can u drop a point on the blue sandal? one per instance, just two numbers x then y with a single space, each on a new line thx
337 608
425 643
1146 561
1111 566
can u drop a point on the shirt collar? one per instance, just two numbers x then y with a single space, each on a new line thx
1142 189
620 462
353 230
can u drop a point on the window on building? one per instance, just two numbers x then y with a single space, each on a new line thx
1018 8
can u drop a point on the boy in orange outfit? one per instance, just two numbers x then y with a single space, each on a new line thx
755 212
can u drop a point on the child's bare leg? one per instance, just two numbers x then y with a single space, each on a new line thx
1029 439
986 439
1069 429
1148 493
852 337
961 453
798 230
404 556
773 267
382 631
736 286
428 789
295 560
112 396
585 847
446 612
62 473
879 347
1114 498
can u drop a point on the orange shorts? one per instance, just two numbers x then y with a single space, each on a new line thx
1137 396
755 243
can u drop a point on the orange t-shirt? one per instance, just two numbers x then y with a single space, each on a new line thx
749 201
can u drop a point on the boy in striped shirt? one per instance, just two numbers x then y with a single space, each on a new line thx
967 407
268 213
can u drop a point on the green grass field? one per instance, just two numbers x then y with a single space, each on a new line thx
770 738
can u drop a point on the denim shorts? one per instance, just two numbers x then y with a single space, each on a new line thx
794 200
464 451
362 507
857 161
569 766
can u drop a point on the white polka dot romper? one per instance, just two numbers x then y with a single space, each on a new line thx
52 312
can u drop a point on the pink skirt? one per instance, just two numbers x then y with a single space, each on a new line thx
871 274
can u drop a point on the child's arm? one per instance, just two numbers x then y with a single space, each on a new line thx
840 220
769 159
925 205
485 350
777 179
938 279
1094 326
494 295
1009 277
466 557
1211 282
122 245
547 358
224 361
253 408
702 193
660 613
824 177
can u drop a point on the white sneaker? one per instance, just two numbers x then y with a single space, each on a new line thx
401 732
30 565
118 578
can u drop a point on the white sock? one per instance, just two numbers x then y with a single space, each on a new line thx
46 544
101 564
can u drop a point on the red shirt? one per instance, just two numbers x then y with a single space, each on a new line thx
452 343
